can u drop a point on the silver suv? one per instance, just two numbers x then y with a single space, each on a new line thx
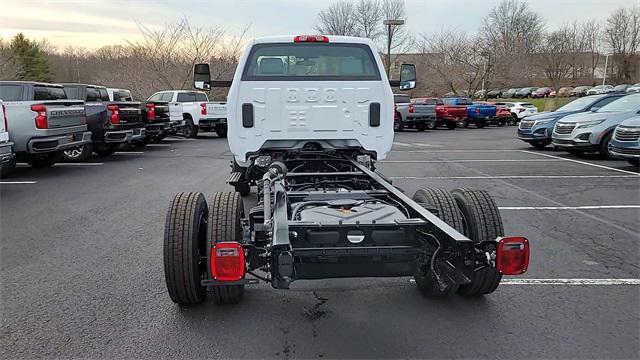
591 131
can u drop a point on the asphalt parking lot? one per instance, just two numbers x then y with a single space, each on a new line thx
82 273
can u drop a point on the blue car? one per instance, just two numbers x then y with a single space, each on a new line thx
536 129
625 142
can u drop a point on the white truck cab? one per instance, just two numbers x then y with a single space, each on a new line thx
288 90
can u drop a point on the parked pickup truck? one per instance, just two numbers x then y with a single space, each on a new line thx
7 159
450 116
479 114
196 111
413 116
156 118
111 122
42 121
119 94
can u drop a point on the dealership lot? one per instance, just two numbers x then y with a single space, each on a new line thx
83 275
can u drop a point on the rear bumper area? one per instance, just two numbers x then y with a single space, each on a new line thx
211 123
421 119
6 153
158 129
57 143
123 136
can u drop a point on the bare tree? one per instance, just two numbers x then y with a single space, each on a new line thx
10 66
556 55
401 40
592 35
622 34
368 17
338 19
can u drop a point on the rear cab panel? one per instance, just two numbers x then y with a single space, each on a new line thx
314 90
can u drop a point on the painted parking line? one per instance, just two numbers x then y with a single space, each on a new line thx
17 182
128 152
427 145
79 164
454 151
513 177
401 144
586 207
575 282
159 145
464 160
177 139
581 162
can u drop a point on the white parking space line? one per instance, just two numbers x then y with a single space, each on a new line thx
402 144
128 152
570 282
586 207
427 145
159 145
512 177
453 150
177 139
581 162
79 164
465 160
17 182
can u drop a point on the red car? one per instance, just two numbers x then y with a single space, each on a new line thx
542 92
450 116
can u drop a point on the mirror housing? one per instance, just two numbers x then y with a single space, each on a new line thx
202 78
408 77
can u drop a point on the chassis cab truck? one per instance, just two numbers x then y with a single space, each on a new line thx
308 117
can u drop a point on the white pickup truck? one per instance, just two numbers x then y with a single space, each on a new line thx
7 159
198 113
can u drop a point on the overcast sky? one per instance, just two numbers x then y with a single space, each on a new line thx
96 23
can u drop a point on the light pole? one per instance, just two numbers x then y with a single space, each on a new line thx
484 68
606 64
389 24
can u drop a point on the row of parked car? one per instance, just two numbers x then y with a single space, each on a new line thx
608 124
567 91
451 112
42 123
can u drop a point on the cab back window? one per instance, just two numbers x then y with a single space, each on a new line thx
310 62
48 93
11 92
122 95
191 97
104 95
93 94
401 99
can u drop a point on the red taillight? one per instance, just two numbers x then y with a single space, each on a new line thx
512 255
410 108
311 38
115 114
41 116
227 261
477 111
151 111
203 109
6 122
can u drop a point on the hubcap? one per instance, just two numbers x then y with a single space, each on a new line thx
74 152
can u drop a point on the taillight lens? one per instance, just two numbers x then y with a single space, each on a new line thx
227 261
151 111
311 38
410 108
478 111
512 255
41 116
203 109
115 114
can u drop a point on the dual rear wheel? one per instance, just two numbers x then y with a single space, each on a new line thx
192 228
474 214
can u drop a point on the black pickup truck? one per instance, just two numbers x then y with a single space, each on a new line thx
111 123
155 115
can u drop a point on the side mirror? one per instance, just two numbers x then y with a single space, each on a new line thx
202 77
408 76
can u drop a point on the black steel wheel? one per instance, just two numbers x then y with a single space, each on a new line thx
397 123
221 131
7 168
225 212
185 239
42 160
445 205
190 129
482 221
78 153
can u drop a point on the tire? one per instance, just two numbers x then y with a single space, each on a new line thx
604 147
634 162
7 168
105 149
432 126
42 160
451 125
397 124
190 129
225 212
448 212
465 124
221 131
185 239
421 127
77 154
539 144
515 119
482 221
480 124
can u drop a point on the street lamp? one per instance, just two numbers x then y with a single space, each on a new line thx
389 24
606 65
